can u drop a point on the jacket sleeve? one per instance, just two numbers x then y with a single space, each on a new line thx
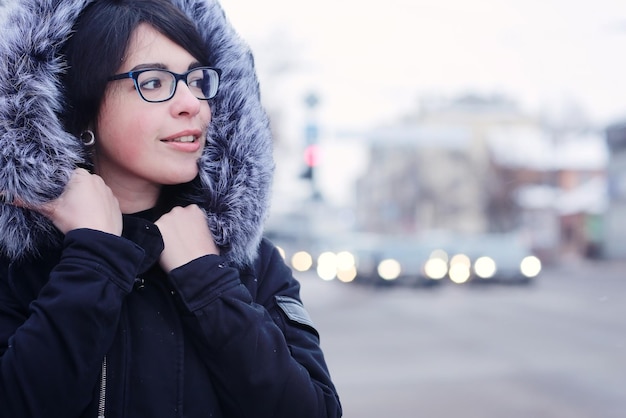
263 352
51 349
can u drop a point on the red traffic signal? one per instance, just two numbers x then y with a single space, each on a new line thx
312 155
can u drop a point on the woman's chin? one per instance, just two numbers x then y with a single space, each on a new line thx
183 177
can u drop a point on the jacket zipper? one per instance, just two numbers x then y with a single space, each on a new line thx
103 389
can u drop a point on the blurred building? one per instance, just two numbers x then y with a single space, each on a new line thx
478 165
433 170
559 187
420 178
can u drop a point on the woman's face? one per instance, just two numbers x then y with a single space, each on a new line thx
141 146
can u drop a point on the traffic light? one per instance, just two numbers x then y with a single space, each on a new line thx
312 155
311 160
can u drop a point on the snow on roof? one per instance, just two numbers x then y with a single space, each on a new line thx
584 152
589 197
533 148
519 147
446 137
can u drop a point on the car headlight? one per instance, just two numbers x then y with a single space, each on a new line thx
327 266
460 268
485 267
347 275
302 261
389 269
345 260
436 268
530 266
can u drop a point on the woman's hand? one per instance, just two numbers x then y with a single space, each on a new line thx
186 236
86 202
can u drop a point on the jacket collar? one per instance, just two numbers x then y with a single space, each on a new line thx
145 234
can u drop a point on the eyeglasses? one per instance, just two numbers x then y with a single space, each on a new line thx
158 85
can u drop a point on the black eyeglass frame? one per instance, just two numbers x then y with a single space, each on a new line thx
134 75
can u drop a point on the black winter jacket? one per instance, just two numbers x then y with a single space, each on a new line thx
207 340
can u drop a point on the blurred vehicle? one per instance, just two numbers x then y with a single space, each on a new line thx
411 261
493 258
399 261
329 257
337 257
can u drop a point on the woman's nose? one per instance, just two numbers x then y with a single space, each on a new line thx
184 101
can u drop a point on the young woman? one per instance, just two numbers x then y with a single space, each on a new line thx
136 167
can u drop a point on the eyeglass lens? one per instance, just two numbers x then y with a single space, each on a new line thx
158 85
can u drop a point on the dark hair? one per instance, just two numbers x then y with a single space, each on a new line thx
99 42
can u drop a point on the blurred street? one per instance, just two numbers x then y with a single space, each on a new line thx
556 348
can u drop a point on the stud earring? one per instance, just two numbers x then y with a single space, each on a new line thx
88 138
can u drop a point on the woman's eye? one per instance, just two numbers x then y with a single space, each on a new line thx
196 82
151 84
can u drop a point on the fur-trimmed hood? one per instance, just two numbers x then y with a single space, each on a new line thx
37 156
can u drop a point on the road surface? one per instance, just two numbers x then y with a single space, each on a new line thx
556 348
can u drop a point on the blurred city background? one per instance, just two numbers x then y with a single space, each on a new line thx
451 191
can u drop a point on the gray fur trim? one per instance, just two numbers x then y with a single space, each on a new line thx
38 156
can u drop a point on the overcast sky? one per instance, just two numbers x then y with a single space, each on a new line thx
371 60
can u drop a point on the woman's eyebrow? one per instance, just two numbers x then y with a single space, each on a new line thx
156 66
161 66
